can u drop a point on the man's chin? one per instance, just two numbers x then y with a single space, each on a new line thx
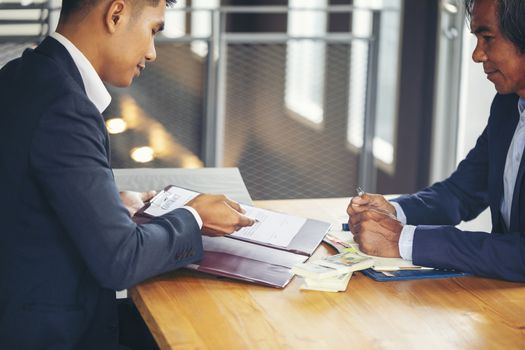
122 83
502 90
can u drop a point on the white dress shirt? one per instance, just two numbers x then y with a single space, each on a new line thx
95 89
510 173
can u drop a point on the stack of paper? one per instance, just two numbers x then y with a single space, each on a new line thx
332 273
343 241
333 284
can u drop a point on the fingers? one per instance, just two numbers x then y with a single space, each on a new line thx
146 196
355 233
220 215
234 205
375 214
244 221
368 201
223 228
364 199
357 205
375 222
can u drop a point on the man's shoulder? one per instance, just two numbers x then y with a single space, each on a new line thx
38 79
35 70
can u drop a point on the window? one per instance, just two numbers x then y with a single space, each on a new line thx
305 62
175 20
201 22
386 89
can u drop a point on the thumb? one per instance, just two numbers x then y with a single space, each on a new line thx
146 196
361 200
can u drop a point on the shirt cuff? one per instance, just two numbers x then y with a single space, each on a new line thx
399 213
195 215
406 242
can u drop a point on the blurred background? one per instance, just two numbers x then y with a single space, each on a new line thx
308 98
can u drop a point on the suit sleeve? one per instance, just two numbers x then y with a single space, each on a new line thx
461 197
69 162
483 254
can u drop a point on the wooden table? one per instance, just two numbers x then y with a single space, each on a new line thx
188 310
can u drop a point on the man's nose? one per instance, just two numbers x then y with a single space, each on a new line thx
152 53
479 55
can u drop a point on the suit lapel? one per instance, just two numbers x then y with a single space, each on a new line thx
507 120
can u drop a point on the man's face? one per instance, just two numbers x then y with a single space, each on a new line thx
501 59
133 45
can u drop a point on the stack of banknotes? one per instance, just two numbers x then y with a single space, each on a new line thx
332 273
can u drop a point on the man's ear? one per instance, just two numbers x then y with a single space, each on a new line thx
115 14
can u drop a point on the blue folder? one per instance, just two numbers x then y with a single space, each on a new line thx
405 275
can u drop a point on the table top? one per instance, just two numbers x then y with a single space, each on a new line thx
186 309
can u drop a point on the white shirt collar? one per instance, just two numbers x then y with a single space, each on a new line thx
95 89
521 106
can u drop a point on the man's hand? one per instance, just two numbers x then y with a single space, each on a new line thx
367 201
220 215
376 232
133 201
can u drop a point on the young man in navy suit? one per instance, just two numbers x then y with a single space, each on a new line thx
67 240
420 227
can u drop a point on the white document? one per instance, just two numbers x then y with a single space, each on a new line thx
273 228
166 201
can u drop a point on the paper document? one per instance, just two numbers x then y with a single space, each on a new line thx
166 201
273 228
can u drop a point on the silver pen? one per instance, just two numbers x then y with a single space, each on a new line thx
360 191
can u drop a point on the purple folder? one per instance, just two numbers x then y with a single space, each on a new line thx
258 263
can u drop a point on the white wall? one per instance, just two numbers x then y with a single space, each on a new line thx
475 99
476 96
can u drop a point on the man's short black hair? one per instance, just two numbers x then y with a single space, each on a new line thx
511 18
70 7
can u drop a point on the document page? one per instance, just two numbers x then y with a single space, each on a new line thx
166 201
272 228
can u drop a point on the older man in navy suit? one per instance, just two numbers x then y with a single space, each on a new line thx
419 227
67 240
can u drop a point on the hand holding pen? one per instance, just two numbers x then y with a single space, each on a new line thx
374 225
366 201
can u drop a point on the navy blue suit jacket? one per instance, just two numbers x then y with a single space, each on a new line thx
67 242
476 184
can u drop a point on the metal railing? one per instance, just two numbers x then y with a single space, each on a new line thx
220 38
216 75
